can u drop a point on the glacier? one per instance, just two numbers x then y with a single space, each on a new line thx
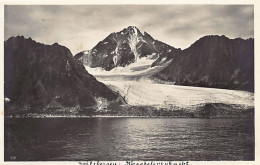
133 83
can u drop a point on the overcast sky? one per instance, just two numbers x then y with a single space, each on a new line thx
82 27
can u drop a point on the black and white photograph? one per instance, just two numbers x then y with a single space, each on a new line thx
129 82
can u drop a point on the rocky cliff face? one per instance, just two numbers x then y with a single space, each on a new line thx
38 76
126 47
214 61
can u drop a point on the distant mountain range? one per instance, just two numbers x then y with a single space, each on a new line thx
212 61
39 77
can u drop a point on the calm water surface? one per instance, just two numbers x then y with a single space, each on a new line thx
129 139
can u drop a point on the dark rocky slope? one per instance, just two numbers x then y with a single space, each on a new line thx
38 77
214 61
125 47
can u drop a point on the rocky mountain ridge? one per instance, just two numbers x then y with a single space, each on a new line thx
39 77
126 47
214 61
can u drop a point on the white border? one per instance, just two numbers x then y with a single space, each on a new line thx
150 2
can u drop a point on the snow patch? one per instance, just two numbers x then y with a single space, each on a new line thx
95 71
115 59
133 40
130 69
163 59
135 30
142 32
7 99
116 50
139 46
144 63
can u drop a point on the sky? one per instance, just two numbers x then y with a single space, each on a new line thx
82 27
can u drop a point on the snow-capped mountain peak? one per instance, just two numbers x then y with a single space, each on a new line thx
127 46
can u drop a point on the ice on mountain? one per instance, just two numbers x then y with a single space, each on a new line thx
95 71
139 46
152 56
140 93
163 59
133 40
115 59
7 99
142 32
116 50
135 30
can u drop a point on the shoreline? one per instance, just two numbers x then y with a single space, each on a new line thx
108 116
205 111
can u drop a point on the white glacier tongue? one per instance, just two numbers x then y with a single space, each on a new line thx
148 93
133 83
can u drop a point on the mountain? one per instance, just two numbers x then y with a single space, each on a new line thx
41 77
213 61
125 47
48 80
